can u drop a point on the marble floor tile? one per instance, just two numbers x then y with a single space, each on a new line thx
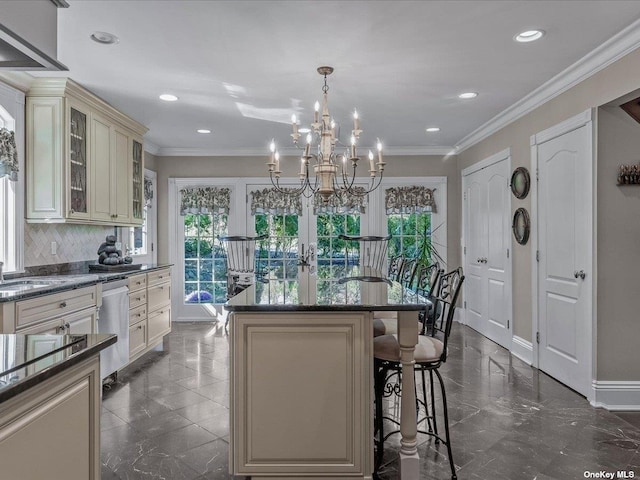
167 417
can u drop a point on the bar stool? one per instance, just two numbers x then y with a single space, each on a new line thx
430 354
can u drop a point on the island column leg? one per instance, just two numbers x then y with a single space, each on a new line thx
408 338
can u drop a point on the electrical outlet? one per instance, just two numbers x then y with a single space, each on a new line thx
54 248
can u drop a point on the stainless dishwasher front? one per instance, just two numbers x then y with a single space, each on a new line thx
114 318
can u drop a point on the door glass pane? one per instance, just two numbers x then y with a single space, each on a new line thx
78 161
411 237
277 259
205 276
333 261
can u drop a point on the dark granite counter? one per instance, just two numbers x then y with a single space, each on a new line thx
18 287
392 296
27 360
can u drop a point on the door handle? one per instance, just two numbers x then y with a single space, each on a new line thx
579 274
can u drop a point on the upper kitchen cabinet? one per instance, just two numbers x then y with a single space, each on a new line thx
84 158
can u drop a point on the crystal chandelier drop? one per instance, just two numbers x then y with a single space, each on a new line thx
321 152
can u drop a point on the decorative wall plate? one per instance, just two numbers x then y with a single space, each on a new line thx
521 226
520 182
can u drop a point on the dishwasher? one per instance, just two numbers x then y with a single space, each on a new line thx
114 318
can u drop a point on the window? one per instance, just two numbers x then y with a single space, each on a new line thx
333 261
140 241
205 271
278 257
11 193
411 236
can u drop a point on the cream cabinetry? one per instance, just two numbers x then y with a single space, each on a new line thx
58 421
149 310
71 311
84 158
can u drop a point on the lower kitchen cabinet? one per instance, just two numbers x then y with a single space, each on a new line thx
150 310
53 430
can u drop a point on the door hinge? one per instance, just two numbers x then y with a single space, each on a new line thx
507 253
152 246
508 324
537 176
465 304
537 337
537 255
464 250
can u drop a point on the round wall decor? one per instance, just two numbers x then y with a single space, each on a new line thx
521 226
520 182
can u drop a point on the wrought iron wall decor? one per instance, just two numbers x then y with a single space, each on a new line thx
521 226
629 175
520 182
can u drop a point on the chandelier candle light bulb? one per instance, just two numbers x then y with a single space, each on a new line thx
323 138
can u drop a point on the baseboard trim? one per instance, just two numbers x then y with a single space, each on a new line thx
616 395
522 349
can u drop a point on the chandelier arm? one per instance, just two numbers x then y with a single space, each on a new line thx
288 190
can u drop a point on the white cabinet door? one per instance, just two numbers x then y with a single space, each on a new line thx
101 179
82 322
122 172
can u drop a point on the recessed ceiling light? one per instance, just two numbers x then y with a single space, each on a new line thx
167 97
529 36
104 38
468 95
304 130
203 130
433 129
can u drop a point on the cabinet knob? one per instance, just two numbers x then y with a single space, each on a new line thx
139 327
63 304
67 326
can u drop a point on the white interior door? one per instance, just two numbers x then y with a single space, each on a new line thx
475 238
487 266
565 245
497 262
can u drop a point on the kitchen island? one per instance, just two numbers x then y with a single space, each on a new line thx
50 406
302 385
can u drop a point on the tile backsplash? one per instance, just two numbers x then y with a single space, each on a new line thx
74 243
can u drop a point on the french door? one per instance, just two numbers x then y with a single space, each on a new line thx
303 257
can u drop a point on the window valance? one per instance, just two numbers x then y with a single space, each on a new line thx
148 191
270 200
8 155
205 200
412 199
342 202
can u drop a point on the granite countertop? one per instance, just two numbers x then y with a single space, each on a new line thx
394 298
19 287
27 360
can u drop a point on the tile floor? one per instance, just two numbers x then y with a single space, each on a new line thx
167 417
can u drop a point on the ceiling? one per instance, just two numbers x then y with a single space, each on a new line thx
241 68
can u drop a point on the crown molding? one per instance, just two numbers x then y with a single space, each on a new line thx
151 147
613 49
263 152
20 80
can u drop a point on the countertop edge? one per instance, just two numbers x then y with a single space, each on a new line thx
326 308
55 369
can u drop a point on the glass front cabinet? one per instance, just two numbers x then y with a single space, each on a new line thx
84 161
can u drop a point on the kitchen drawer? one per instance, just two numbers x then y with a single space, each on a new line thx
137 298
158 296
137 338
137 282
137 314
159 324
158 276
51 306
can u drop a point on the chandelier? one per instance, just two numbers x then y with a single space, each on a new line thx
323 151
